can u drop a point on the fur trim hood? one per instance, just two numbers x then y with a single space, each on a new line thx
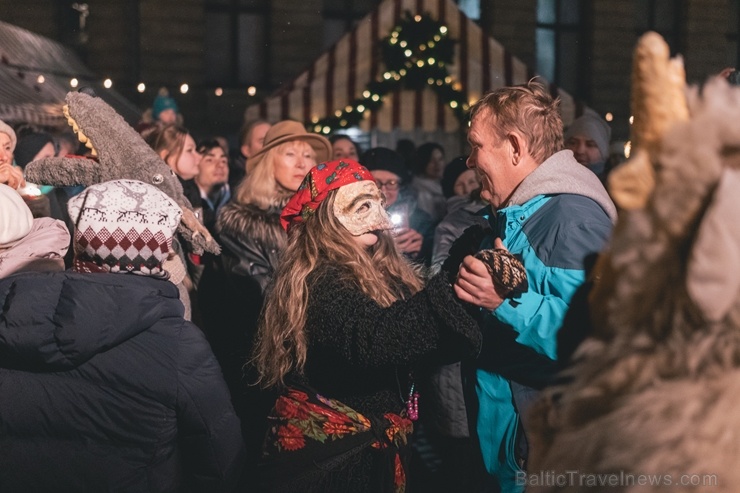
248 223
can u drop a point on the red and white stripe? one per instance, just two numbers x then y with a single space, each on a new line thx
341 74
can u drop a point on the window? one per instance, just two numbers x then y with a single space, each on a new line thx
663 17
341 16
471 8
236 38
559 43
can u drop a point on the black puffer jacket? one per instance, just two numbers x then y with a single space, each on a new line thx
105 387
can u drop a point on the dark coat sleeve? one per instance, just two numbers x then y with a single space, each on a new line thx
364 334
208 428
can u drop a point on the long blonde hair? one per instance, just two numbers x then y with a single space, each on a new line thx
260 187
380 272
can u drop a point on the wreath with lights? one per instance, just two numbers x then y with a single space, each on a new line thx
416 54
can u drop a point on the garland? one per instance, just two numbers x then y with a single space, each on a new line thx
416 54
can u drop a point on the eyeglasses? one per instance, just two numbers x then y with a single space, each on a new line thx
388 185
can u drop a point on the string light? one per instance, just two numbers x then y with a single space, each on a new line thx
609 117
107 83
408 67
40 79
184 88
74 82
219 92
141 87
251 90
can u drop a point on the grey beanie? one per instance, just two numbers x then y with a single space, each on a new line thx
593 127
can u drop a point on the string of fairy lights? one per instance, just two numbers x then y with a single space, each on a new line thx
416 54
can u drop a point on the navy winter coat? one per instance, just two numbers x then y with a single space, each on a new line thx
105 387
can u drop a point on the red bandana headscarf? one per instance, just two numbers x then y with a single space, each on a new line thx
319 181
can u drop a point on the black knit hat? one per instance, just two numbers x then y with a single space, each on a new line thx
29 145
382 158
454 169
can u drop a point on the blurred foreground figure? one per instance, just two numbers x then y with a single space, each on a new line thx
654 391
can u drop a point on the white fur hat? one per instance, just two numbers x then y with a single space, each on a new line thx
15 216
6 129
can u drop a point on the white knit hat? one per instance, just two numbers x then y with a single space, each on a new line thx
15 216
123 226
6 129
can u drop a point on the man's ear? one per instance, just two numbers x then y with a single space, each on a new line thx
244 149
518 146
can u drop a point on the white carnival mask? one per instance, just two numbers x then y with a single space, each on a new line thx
359 207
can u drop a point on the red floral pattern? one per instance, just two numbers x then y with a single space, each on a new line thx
298 420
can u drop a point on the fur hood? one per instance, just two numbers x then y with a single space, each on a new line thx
246 223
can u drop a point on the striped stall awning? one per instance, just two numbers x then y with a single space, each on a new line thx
341 74
35 74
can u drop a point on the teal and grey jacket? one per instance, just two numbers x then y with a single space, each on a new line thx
557 216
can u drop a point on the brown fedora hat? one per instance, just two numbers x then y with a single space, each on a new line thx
288 130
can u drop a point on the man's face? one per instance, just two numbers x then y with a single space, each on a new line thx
213 169
491 158
256 140
585 149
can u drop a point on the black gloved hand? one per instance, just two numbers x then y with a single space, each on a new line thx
467 244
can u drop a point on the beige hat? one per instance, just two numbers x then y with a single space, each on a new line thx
15 216
288 130
6 129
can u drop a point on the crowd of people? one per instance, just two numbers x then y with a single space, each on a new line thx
347 337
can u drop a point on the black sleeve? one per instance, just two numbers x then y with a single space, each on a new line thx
364 334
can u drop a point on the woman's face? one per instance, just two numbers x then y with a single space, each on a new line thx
6 149
388 183
292 162
46 151
213 169
436 166
186 166
344 149
466 183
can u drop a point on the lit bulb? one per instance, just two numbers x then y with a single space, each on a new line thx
408 53
361 108
184 88
326 130
375 97
443 29
40 79
417 18
251 90
219 91
107 83
453 104
608 117
627 149
632 120
74 82
431 61
403 44
366 94
420 63
338 113
141 87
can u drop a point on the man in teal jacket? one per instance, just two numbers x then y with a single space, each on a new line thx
551 213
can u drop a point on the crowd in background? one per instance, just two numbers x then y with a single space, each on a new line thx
199 369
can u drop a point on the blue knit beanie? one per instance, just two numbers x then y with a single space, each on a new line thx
161 103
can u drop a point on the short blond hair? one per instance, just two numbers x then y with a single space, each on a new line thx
528 109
